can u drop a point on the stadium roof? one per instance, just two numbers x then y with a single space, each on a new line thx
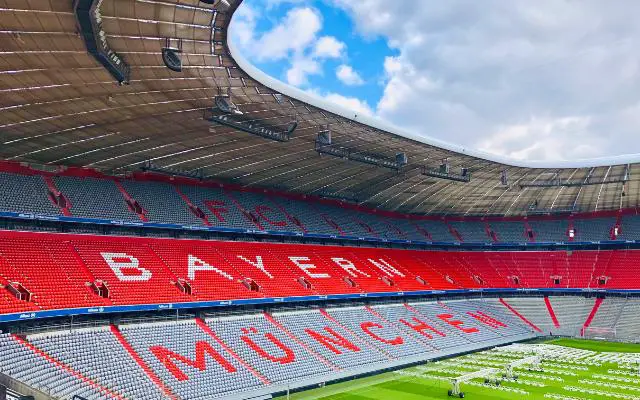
59 106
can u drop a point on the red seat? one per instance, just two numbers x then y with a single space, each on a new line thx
59 269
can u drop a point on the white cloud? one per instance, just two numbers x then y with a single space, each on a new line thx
549 79
347 75
543 138
301 68
275 3
245 26
293 34
358 106
294 39
354 104
329 47
299 30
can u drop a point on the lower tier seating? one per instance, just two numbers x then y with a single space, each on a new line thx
43 271
609 318
237 357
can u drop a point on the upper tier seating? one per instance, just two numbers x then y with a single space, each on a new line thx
471 232
161 202
550 230
205 205
94 198
437 230
243 356
309 218
593 229
630 227
509 231
346 222
268 215
25 194
218 207
67 271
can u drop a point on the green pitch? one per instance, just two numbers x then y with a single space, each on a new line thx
596 345
430 380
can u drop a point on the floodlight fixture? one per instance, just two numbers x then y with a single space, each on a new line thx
226 113
444 172
149 166
222 4
504 179
325 145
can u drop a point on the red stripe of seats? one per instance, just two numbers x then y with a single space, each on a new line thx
152 375
517 314
552 313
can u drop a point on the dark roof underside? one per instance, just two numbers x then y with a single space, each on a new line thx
59 106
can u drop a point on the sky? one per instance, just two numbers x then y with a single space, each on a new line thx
531 80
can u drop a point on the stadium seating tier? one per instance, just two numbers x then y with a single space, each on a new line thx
66 271
236 357
203 205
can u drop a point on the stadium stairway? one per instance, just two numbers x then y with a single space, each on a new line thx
552 313
592 315
517 314
58 198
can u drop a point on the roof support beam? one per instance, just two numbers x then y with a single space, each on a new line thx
89 19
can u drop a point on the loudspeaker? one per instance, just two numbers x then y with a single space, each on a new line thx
172 59
292 127
324 137
401 159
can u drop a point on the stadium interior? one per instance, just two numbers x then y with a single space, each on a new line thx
175 225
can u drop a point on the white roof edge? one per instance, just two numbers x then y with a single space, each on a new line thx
377 123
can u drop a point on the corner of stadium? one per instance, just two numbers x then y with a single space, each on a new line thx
175 224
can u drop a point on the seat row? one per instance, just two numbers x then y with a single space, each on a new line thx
200 205
68 271
609 318
238 356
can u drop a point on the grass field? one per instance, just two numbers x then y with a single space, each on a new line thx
430 381
596 345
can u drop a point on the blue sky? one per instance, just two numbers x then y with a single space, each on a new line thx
355 71
364 55
544 80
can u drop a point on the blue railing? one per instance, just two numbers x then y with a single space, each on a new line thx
99 310
140 224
